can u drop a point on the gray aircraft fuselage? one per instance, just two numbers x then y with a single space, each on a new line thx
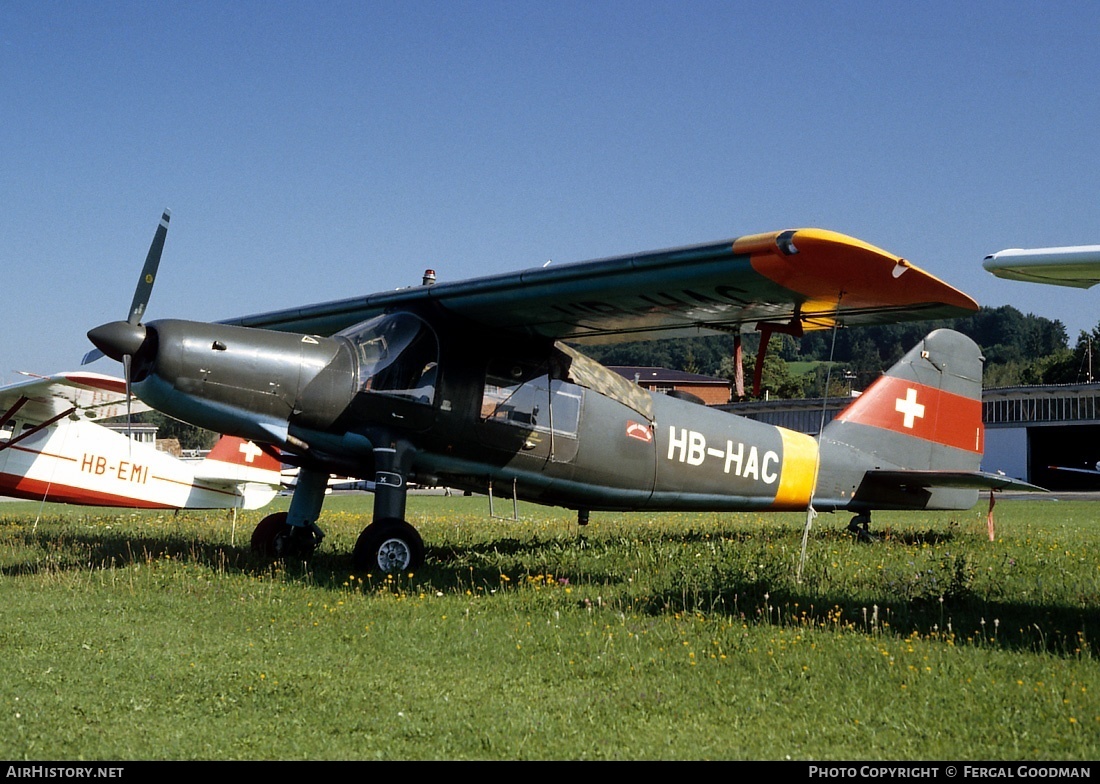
515 416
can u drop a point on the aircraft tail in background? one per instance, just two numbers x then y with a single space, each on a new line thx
255 472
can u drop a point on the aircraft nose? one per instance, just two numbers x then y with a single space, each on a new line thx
118 339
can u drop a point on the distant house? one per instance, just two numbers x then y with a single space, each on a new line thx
138 431
712 391
147 434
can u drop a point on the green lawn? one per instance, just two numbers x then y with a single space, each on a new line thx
142 635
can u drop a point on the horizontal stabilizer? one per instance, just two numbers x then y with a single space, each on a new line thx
1085 471
903 479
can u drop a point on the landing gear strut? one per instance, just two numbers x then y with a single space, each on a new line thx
860 526
294 533
274 537
389 544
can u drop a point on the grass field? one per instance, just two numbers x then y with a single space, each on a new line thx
142 635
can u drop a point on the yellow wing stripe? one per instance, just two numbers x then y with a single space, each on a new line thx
799 475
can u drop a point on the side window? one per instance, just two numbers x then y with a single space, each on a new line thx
7 430
524 395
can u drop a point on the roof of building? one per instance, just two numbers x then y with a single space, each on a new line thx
657 375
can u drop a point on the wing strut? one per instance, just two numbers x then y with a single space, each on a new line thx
22 401
30 431
766 328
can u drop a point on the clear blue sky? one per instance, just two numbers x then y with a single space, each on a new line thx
317 150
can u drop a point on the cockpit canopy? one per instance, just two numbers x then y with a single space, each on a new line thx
397 355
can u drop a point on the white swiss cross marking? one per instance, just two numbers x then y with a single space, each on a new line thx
909 407
251 451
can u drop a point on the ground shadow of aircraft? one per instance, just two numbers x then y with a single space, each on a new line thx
476 385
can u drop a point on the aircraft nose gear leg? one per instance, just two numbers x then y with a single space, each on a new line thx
860 526
294 533
389 544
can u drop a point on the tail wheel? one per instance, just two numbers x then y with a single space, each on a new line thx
263 537
389 546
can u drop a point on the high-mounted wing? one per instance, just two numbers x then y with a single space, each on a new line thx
88 395
1076 265
794 280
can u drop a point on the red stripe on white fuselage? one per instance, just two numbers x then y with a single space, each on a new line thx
923 412
36 490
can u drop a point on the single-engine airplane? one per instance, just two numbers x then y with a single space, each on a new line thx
52 448
475 385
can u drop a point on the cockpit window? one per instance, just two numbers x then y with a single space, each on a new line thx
398 355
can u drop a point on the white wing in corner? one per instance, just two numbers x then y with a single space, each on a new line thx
92 395
1072 265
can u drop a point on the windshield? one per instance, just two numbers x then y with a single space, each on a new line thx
398 354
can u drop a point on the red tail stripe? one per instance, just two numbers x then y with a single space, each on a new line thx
923 412
231 449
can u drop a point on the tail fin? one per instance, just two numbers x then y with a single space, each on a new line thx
925 411
236 451
914 439
255 472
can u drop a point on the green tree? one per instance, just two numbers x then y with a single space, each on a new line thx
189 436
776 380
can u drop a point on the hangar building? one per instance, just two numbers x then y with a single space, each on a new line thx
1028 430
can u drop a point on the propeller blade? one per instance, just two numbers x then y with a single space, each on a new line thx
149 271
121 340
126 362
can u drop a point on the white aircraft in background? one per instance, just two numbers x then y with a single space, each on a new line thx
1071 265
52 450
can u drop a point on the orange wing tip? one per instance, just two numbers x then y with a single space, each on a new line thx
786 242
819 264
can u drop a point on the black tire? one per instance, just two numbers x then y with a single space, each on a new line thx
263 536
273 537
389 547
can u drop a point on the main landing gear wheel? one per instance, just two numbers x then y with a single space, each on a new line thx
388 546
275 538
